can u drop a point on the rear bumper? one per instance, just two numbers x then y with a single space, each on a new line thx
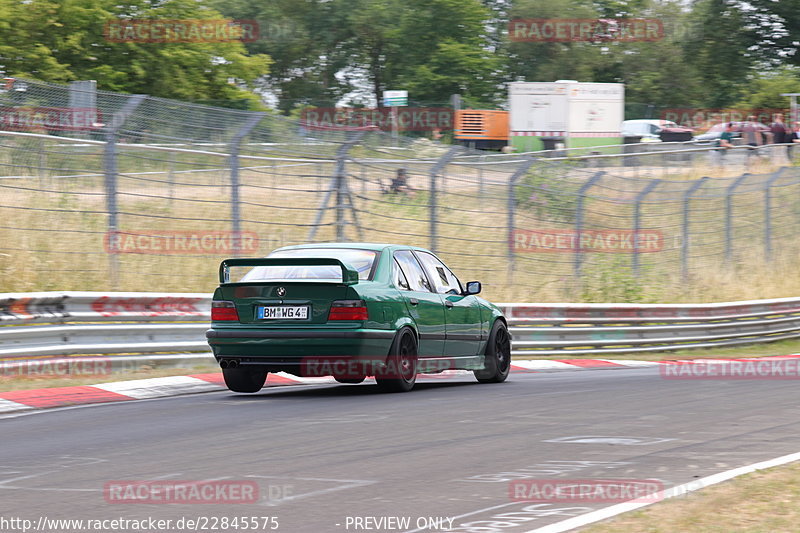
286 349
215 334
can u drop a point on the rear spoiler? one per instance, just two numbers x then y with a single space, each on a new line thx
349 274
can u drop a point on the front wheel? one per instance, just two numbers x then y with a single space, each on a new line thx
497 363
243 379
400 373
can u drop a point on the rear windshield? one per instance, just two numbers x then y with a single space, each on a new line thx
361 260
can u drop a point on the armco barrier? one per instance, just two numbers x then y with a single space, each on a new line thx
66 323
582 329
49 324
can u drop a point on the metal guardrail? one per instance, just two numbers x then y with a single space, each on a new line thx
596 329
48 324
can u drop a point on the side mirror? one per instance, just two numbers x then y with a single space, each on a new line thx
473 287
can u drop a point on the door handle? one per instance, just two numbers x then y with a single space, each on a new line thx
448 304
413 301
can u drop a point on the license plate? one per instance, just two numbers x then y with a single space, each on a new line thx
283 312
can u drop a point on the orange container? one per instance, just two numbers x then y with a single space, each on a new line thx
481 124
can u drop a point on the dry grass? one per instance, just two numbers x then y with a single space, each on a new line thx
62 247
762 502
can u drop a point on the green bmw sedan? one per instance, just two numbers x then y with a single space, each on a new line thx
352 310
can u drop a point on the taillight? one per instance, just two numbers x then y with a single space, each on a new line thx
348 310
223 310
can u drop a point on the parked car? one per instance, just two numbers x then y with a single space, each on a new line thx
715 131
655 130
352 311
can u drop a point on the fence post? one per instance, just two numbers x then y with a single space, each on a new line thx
768 212
435 169
481 164
340 183
685 235
637 222
512 206
233 161
579 220
339 187
171 177
729 216
42 161
110 178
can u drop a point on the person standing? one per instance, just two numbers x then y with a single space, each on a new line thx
751 134
793 136
724 143
752 137
778 129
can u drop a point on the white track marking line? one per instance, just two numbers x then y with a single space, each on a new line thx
679 490
454 518
343 485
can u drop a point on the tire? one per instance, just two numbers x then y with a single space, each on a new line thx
401 373
350 380
243 379
497 363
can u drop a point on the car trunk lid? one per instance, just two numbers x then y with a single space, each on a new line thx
287 302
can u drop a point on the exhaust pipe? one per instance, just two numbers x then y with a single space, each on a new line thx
233 363
223 363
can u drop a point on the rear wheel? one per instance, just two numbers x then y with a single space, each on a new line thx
401 365
243 379
497 362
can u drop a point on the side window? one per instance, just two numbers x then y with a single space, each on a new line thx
414 274
444 280
399 277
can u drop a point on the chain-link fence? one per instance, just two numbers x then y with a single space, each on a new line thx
148 194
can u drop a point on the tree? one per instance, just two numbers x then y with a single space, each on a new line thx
719 51
433 48
64 40
765 91
775 27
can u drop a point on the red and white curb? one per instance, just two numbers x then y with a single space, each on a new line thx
145 389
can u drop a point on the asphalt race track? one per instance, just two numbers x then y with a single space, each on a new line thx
330 458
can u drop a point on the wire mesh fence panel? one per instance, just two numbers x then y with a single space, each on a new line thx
51 216
102 191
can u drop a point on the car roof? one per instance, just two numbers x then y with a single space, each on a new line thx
378 247
736 124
